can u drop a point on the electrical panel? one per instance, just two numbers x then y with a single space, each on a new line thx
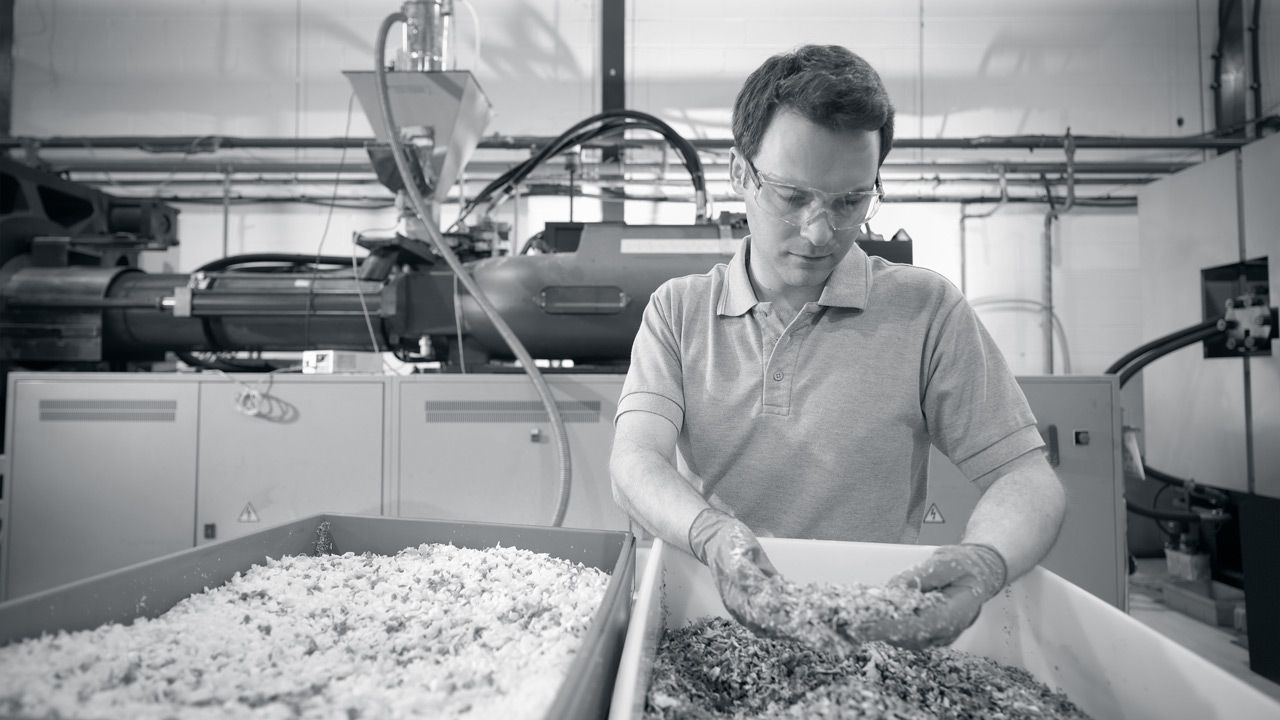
1079 419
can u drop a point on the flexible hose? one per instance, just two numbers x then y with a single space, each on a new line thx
1160 514
1129 357
1158 352
433 233
1203 493
233 260
610 122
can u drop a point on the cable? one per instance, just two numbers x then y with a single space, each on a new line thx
475 27
1155 505
442 247
457 325
1158 352
1132 355
1207 495
1058 327
328 218
289 259
611 122
1160 514
257 401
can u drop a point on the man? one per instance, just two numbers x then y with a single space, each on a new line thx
804 382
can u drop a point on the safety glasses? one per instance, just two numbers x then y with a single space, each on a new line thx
796 205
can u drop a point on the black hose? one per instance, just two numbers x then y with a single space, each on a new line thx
1158 352
611 121
292 258
1129 357
1207 494
1160 514
222 364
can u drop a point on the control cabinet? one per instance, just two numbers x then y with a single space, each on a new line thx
310 445
1079 419
480 447
102 475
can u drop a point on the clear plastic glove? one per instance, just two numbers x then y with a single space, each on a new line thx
739 565
966 575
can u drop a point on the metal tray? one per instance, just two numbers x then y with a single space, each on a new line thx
150 588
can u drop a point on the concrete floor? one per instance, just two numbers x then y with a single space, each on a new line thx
1216 644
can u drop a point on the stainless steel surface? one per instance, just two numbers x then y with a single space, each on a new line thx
1084 414
316 447
477 447
103 474
1194 407
451 104
1262 238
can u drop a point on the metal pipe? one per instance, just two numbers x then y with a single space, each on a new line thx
188 144
1046 278
226 214
964 218
1111 201
248 165
349 179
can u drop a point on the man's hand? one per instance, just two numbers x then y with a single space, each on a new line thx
737 562
966 575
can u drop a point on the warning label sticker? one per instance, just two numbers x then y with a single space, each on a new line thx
934 515
249 515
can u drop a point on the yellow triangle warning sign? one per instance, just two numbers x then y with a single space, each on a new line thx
249 515
934 515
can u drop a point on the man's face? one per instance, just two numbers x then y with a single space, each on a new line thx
786 258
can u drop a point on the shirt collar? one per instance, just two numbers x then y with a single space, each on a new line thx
739 296
849 285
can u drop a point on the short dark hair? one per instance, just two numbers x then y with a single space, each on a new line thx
826 84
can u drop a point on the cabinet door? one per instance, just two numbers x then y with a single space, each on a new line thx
480 448
102 476
316 446
1090 550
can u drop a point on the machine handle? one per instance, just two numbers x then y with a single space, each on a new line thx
582 300
1050 435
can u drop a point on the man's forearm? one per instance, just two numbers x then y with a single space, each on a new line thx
1020 513
649 488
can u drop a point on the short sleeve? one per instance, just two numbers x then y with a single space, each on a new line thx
655 381
975 411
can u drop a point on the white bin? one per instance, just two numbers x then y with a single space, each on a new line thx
1109 664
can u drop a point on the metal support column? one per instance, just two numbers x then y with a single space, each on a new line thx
613 88
1230 78
6 67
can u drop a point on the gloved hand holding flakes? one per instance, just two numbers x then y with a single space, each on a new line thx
836 618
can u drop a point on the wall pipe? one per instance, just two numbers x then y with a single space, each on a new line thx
370 179
250 165
1117 201
189 144
964 218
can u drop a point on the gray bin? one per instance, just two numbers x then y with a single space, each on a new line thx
150 588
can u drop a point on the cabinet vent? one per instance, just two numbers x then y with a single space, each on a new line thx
509 411
108 410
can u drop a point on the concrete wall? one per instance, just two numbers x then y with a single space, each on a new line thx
955 68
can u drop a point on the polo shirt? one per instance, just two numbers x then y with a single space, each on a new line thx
821 428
